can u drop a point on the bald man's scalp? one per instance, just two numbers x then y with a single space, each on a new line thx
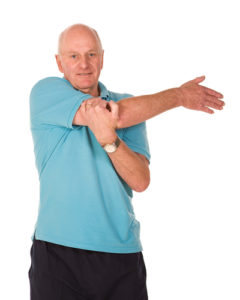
78 26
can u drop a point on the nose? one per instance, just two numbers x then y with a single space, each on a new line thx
83 62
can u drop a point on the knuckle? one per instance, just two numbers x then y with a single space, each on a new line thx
98 107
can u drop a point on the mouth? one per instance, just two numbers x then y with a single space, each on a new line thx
84 74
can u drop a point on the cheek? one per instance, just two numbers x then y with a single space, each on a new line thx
69 68
98 66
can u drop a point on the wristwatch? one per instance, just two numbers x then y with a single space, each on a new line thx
110 148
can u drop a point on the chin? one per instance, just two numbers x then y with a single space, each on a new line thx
86 83
85 88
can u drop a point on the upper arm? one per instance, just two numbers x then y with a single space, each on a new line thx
131 112
53 101
79 118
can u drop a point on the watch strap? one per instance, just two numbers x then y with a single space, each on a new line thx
110 148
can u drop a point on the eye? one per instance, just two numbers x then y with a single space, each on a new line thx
91 54
73 56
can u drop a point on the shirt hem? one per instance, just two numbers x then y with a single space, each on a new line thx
85 246
75 108
139 150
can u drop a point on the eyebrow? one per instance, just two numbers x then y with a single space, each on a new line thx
75 51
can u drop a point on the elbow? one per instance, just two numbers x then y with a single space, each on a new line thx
123 117
143 185
121 123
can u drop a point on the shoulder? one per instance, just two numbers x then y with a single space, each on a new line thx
53 87
50 83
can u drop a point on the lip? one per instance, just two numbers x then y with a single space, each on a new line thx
84 74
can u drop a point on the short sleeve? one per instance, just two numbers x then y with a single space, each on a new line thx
54 101
136 139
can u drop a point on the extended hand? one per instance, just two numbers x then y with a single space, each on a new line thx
195 96
101 117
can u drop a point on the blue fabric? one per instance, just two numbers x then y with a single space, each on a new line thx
83 202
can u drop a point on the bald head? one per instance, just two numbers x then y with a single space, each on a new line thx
78 30
80 57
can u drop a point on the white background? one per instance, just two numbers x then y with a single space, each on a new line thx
189 215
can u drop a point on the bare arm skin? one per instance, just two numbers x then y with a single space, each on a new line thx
135 110
132 167
190 95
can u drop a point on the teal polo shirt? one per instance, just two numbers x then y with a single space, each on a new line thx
84 203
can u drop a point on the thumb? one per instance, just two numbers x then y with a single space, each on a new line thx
198 79
114 109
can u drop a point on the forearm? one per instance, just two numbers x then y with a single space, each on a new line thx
135 110
130 167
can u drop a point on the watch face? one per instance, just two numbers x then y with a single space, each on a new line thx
110 148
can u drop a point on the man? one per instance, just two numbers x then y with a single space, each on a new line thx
91 151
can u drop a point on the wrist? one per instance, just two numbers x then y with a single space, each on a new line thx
179 96
112 147
108 138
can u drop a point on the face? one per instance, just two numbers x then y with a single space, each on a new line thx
81 60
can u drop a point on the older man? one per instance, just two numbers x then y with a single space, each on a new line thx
91 151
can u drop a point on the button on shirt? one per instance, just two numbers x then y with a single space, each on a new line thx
84 203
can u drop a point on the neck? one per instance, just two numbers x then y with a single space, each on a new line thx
95 92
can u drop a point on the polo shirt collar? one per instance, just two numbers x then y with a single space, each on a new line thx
104 93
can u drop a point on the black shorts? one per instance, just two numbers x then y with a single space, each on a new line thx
63 273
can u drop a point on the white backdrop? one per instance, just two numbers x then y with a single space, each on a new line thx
189 215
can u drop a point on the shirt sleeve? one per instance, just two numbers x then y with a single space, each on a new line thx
54 101
136 139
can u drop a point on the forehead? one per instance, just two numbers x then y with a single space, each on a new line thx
78 40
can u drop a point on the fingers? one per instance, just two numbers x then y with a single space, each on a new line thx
114 109
200 97
93 103
198 79
213 93
206 109
213 102
212 99
207 90
99 104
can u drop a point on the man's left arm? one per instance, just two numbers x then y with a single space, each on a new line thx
132 167
191 95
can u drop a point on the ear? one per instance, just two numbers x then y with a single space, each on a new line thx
102 59
58 60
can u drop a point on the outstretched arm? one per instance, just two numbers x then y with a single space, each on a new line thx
135 110
191 95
